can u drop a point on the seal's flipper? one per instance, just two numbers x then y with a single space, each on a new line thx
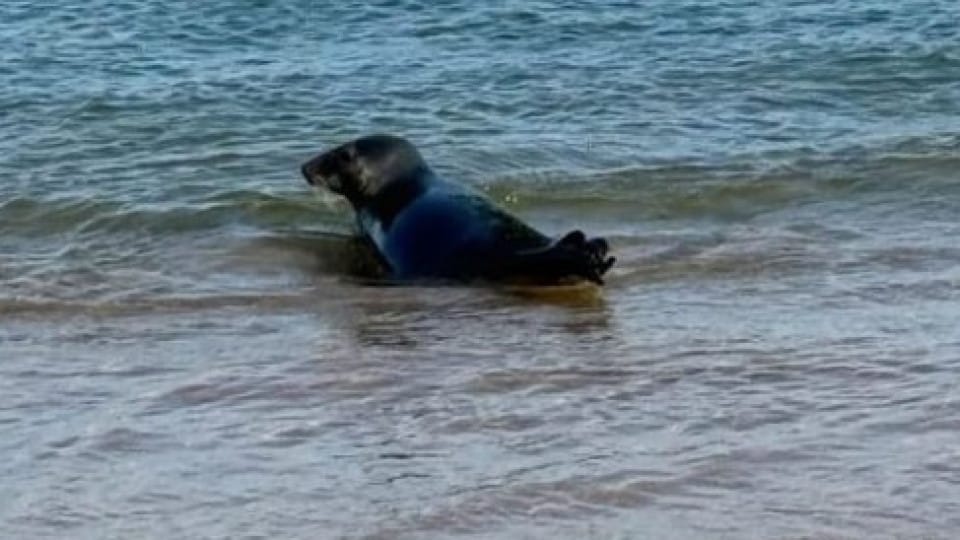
574 238
572 255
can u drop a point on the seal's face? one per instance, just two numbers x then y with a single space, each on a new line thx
358 170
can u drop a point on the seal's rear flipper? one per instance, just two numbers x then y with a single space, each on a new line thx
574 238
572 255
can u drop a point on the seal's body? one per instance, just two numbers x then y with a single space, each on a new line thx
425 227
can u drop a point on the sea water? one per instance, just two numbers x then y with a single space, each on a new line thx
184 351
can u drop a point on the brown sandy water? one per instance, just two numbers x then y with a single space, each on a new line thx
749 381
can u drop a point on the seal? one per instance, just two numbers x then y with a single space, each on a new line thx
427 228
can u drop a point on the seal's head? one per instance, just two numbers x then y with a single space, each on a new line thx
361 169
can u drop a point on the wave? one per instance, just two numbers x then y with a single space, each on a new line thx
731 187
743 185
33 216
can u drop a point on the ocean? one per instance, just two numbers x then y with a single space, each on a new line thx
186 352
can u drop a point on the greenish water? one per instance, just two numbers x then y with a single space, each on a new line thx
183 350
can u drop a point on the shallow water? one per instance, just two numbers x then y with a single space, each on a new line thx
184 351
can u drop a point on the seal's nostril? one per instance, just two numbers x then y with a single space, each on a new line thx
305 169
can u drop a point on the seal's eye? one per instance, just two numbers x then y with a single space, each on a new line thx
345 155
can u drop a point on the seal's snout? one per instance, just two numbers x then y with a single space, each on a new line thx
307 172
322 171
316 171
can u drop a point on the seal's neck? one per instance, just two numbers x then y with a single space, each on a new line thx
398 193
